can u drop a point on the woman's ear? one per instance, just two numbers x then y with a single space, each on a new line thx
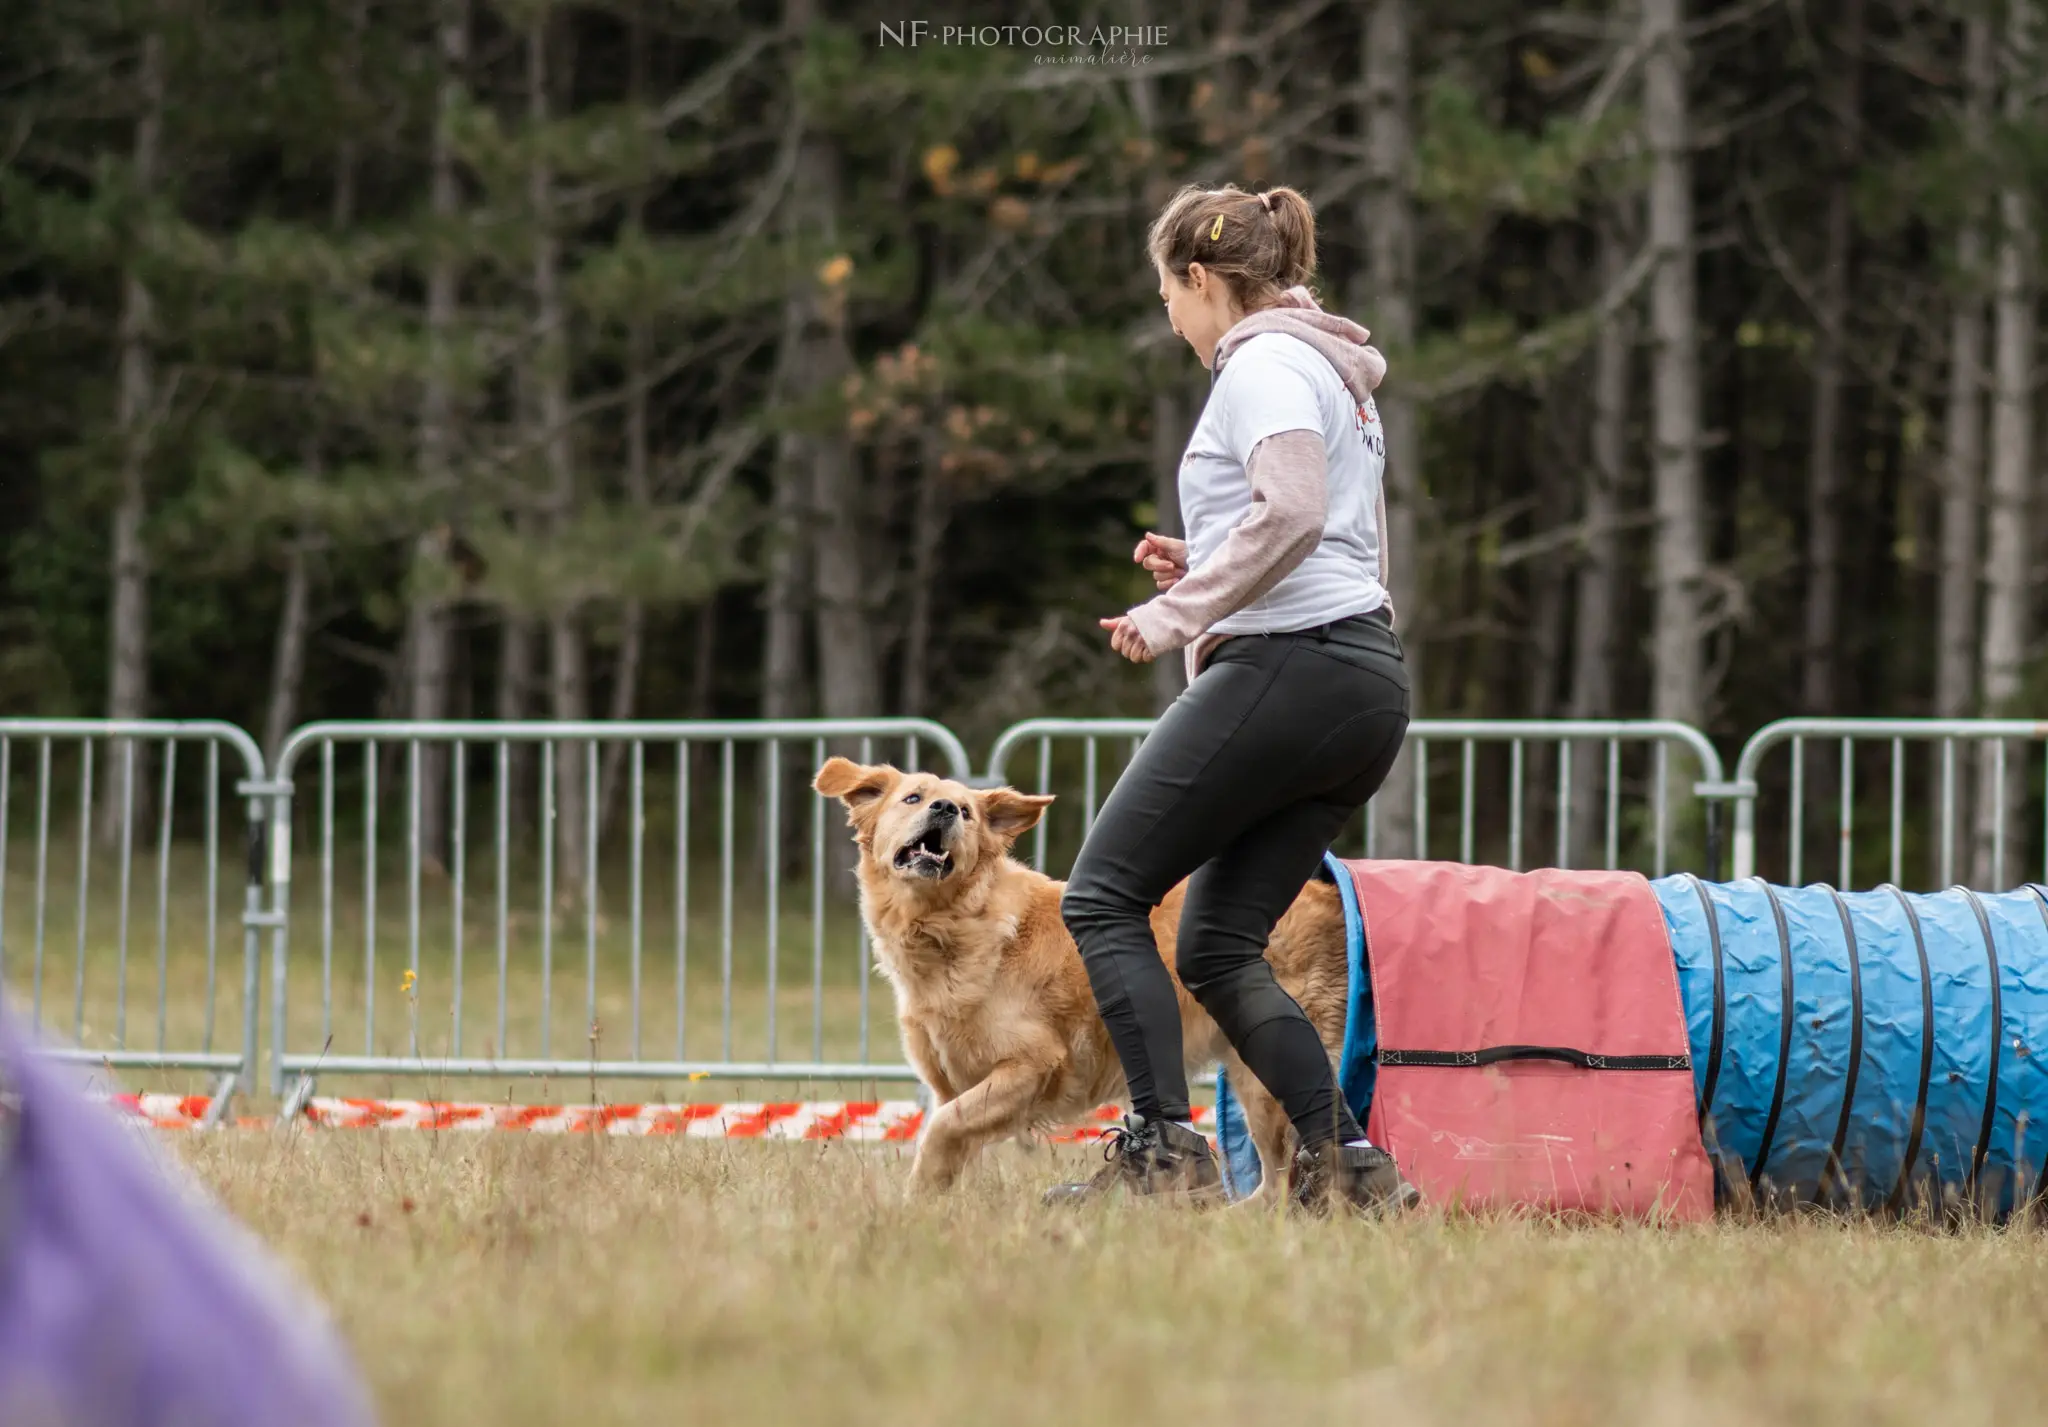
1010 812
1197 279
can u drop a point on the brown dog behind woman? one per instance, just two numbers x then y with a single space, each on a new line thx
995 1007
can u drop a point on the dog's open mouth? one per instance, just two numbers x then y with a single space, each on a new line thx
925 855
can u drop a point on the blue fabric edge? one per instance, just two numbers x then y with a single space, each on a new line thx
1357 1062
1239 1161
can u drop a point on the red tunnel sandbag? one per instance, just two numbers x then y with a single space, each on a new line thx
1473 963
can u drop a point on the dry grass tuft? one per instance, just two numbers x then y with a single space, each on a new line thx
507 1280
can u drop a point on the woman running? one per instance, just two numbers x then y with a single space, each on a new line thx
1296 705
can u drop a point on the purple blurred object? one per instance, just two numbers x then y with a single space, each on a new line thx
127 1299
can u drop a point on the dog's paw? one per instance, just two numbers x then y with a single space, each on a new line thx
928 1179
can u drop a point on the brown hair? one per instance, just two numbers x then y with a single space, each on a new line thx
1258 243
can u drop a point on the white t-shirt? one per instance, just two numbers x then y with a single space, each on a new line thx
1274 383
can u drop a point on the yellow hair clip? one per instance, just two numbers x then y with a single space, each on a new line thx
1216 228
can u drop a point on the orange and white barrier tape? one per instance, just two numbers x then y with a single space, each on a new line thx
1098 1121
174 1112
743 1120
858 1120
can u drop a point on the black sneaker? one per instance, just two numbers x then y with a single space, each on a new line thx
1149 1157
1363 1177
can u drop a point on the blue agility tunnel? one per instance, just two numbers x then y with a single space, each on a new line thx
1876 1050
1880 1050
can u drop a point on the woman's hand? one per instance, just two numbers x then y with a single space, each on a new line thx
1164 558
1125 639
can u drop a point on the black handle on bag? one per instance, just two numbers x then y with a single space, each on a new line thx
1493 1055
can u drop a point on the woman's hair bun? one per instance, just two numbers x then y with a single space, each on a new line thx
1259 243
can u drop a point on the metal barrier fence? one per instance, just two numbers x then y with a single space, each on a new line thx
1981 816
540 786
1602 789
668 882
47 761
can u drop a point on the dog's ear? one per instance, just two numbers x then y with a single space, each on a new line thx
854 784
1010 812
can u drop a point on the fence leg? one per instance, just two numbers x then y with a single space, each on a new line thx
1744 795
295 1103
253 922
278 919
223 1096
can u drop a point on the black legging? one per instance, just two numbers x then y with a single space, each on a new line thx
1243 783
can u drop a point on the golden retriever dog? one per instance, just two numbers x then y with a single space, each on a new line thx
997 1015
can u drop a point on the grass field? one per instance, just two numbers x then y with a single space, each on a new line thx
505 1280
511 1280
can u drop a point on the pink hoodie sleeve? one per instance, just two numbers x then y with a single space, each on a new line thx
1288 474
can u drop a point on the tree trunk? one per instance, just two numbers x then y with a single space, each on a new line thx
1678 670
632 613
1548 607
703 658
625 695
1386 217
849 681
516 640
785 692
515 667
288 659
1539 693
568 671
782 671
568 702
1169 443
927 532
703 680
429 633
2012 458
1824 489
1963 456
1598 592
784 662
127 797
849 676
430 653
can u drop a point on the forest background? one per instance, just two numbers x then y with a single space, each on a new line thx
525 358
